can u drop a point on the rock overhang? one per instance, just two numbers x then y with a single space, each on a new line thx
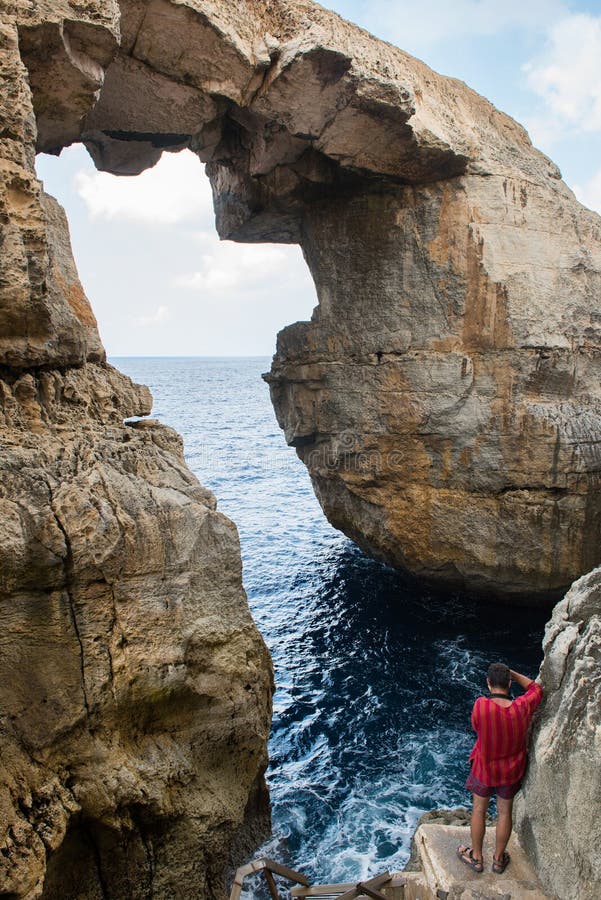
284 100
251 88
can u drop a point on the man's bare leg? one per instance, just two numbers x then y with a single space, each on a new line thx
504 826
478 823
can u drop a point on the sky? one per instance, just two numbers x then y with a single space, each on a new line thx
160 281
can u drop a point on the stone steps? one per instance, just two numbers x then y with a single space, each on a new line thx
444 877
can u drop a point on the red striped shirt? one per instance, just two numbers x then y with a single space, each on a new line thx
499 755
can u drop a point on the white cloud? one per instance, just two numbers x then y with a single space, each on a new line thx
230 268
174 191
590 193
161 315
419 25
567 76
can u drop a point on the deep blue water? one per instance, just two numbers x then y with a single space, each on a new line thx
375 675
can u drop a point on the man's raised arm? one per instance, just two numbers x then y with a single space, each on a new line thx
533 692
523 681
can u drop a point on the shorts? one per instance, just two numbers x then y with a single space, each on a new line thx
504 791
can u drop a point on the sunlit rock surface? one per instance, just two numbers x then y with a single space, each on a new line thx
134 688
557 812
445 396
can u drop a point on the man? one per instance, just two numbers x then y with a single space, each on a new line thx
498 759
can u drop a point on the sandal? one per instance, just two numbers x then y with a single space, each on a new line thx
499 865
466 855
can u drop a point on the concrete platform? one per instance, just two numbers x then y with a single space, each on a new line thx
445 877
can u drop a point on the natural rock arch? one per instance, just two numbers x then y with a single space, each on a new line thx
445 398
445 395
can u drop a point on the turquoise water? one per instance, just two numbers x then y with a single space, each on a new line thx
376 675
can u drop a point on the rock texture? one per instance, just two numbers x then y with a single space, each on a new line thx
557 813
134 687
445 395
460 817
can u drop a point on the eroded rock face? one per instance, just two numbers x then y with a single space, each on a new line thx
557 811
45 318
135 690
445 395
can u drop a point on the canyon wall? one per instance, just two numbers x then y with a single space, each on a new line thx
134 687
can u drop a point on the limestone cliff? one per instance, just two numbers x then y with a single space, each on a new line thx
558 811
134 687
445 395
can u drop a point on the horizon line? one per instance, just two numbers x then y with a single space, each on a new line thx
188 356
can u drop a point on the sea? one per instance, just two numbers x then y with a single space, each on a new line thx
375 673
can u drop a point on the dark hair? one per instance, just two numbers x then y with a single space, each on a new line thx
499 676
